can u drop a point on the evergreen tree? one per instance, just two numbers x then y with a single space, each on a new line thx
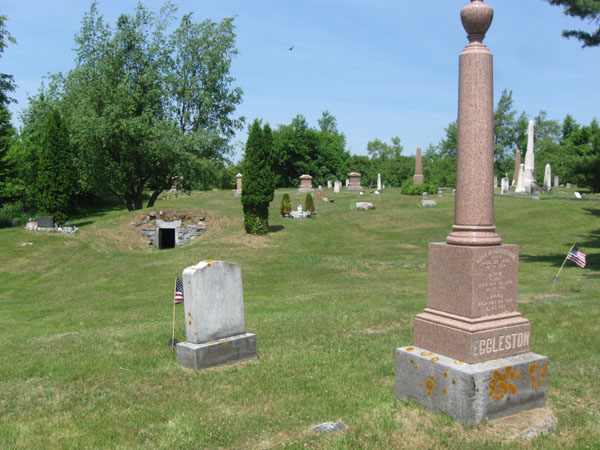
588 10
258 184
56 176
7 133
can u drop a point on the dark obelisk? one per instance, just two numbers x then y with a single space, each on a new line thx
471 355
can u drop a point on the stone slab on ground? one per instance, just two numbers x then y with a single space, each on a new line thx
213 353
471 393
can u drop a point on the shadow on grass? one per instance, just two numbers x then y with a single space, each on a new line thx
275 228
592 260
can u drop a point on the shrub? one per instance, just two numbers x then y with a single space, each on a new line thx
417 189
309 204
11 213
286 204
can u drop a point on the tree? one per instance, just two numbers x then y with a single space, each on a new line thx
7 83
588 10
143 105
56 176
258 183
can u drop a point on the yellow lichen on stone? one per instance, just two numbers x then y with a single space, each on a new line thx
410 349
427 353
434 359
499 386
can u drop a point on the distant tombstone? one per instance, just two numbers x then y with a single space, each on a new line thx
440 194
238 190
425 196
319 194
354 182
505 188
495 182
379 182
568 185
556 181
306 184
517 167
363 206
328 184
418 176
45 221
336 187
578 195
347 182
547 186
520 189
214 317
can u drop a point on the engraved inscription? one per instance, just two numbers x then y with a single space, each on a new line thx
500 343
493 287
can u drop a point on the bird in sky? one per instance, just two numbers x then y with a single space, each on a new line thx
291 48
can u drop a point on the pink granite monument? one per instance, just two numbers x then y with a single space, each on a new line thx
354 182
238 189
471 325
418 177
306 184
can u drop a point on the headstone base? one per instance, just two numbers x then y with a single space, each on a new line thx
213 353
471 393
306 190
237 195
354 188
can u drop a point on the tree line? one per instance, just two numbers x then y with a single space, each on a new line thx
143 105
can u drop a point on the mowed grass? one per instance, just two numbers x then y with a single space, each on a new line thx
85 321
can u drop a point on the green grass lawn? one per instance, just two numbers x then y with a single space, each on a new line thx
85 321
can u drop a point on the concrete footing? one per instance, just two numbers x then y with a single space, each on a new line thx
471 393
241 347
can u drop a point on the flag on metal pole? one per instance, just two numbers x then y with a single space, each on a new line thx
178 291
577 256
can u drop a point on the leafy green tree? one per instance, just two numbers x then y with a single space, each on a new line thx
588 10
258 183
301 149
387 160
202 99
56 175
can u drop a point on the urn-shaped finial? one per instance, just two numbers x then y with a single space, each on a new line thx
476 18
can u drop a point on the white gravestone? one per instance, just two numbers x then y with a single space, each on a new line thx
505 185
336 187
556 181
214 316
379 182
520 189
328 184
547 178
530 182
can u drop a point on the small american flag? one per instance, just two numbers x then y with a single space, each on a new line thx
178 291
577 256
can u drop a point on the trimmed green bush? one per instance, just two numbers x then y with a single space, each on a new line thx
258 183
286 204
309 204
417 189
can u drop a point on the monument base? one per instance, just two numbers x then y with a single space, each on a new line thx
354 188
241 347
237 195
311 190
471 393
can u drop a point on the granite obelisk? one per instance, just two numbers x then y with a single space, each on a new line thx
530 181
418 176
517 168
471 355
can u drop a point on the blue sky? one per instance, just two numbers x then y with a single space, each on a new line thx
383 68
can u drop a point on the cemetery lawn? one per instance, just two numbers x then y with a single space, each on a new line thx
85 321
